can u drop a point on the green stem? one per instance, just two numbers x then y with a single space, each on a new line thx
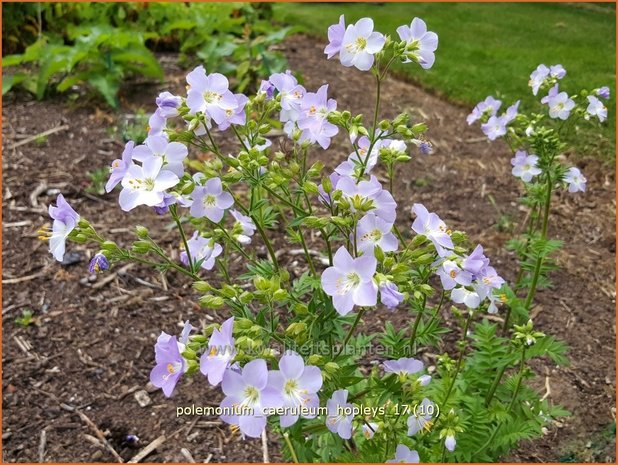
176 218
286 437
539 262
349 335
417 322
460 358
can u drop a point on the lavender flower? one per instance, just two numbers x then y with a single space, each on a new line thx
171 153
337 421
476 261
220 353
525 166
350 281
247 227
98 263
297 385
359 157
236 115
450 442
403 367
146 184
168 104
538 77
65 221
596 108
390 295
170 365
575 179
211 201
557 71
560 105
384 205
420 43
157 123
369 430
314 110
494 127
430 225
403 454
120 166
360 44
290 93
248 395
203 251
489 106
268 88
210 94
335 38
373 231
603 92
451 275
461 295
422 417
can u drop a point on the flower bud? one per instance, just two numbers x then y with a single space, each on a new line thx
211 301
141 232
202 286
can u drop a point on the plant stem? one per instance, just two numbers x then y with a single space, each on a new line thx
416 323
349 335
539 262
460 359
176 218
286 437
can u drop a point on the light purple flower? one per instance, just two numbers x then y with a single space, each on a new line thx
403 366
157 123
360 159
450 443
297 385
290 93
560 105
350 281
422 417
390 295
268 88
451 275
384 205
120 166
488 106
211 201
210 94
603 92
237 115
171 153
403 454
511 112
557 71
494 127
247 225
430 225
65 221
337 421
219 354
373 231
170 365
538 77
420 43
360 44
98 263
488 279
461 295
575 179
476 261
146 184
369 430
312 120
168 199
203 251
323 197
335 38
596 108
525 166
168 104
553 92
248 394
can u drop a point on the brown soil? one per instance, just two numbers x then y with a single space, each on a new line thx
91 347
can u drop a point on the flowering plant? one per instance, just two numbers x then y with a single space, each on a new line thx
289 357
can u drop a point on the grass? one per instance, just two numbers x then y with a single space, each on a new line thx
491 49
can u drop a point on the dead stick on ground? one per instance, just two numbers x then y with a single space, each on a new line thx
265 446
148 449
42 444
187 455
49 132
99 435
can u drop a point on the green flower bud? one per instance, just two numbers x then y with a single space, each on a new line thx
331 368
141 232
315 359
202 286
211 301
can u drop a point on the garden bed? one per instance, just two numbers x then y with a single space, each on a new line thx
91 345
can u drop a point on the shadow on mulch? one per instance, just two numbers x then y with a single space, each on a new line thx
91 343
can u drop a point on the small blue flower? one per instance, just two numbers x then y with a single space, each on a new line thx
98 264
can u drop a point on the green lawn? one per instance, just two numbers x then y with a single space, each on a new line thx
492 48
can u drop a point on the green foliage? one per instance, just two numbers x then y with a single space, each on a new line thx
100 45
26 318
